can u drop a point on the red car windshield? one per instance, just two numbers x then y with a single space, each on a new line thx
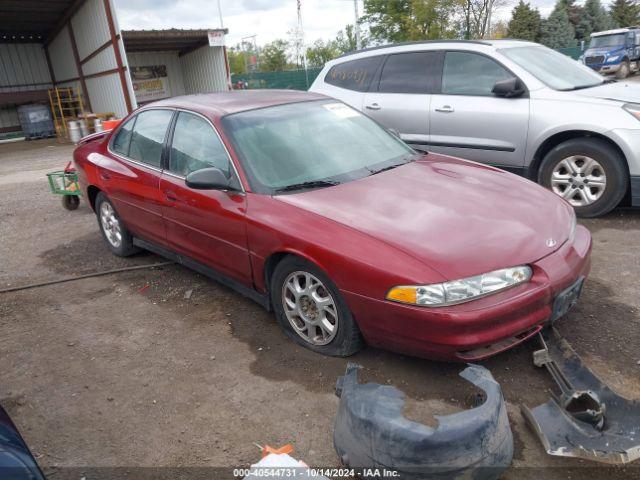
311 144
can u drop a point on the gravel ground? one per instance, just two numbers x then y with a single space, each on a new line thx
125 371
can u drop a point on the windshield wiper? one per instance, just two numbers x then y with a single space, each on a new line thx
310 184
409 158
384 169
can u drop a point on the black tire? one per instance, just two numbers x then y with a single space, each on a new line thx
607 156
125 247
348 339
624 70
70 202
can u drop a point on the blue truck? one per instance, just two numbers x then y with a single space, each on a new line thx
614 52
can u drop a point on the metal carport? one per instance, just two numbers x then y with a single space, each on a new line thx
78 43
45 43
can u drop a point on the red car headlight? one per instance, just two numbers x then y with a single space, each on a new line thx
459 291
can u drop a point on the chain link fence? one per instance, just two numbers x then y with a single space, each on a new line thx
573 52
288 79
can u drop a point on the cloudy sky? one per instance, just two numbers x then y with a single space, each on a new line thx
268 19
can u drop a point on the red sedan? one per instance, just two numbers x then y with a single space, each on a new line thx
315 211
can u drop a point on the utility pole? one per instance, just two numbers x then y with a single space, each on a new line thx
356 26
487 30
467 35
300 44
220 15
250 50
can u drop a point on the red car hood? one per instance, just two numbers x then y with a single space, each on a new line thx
457 217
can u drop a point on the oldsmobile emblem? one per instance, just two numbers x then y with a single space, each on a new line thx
551 242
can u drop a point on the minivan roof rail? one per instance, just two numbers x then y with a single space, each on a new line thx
418 42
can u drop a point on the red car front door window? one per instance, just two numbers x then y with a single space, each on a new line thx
207 225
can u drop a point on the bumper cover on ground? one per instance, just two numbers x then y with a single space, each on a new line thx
370 432
587 419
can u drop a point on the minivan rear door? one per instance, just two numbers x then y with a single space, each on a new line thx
400 97
469 121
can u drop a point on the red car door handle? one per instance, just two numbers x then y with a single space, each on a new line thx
105 176
169 195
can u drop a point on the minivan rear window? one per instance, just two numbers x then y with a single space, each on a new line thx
353 75
411 72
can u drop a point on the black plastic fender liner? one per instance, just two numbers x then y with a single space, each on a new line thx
371 432
587 420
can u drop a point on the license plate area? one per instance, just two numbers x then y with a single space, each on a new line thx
566 299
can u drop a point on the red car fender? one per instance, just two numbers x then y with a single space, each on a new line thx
343 253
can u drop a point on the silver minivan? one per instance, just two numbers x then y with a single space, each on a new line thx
517 105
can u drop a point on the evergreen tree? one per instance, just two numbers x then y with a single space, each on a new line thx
574 11
524 23
557 31
594 19
625 13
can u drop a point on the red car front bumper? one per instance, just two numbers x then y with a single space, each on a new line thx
481 328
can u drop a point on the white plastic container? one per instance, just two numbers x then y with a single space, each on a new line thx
75 134
84 129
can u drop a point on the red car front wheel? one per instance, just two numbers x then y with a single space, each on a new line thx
311 310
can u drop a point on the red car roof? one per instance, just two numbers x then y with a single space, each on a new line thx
223 103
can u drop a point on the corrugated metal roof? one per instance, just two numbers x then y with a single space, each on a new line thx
181 40
33 20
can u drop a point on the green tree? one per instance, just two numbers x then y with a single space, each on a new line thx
321 52
499 30
236 61
594 19
557 31
346 39
525 23
625 13
273 56
477 19
574 11
405 20
576 17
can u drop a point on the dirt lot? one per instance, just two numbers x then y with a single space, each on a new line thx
108 372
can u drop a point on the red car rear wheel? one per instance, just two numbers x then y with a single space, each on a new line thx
116 236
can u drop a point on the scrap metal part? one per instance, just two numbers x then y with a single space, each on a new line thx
587 419
371 432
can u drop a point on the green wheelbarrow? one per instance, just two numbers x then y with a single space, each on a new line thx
65 183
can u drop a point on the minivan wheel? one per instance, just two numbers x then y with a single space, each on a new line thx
588 173
116 236
623 71
311 311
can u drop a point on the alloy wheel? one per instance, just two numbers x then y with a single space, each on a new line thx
110 224
310 308
579 179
